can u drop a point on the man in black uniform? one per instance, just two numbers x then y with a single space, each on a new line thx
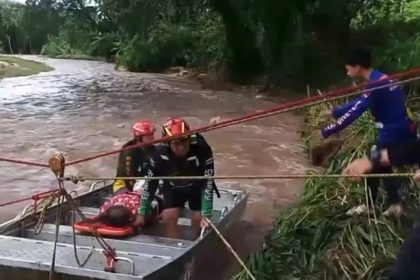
186 156
134 162
408 258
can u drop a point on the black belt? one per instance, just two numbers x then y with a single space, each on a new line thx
216 190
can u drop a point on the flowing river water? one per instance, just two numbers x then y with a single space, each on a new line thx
85 107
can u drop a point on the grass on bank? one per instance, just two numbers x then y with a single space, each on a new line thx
77 57
314 239
11 66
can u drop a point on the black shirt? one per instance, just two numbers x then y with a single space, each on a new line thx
132 163
198 162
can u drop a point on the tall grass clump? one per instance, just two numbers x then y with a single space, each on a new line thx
315 239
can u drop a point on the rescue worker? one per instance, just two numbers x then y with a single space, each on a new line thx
185 156
134 162
406 266
387 106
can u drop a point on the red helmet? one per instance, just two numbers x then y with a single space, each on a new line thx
142 128
174 127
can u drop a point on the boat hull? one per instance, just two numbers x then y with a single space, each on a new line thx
26 254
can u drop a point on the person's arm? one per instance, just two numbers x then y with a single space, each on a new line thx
398 155
358 108
149 187
206 159
124 169
339 111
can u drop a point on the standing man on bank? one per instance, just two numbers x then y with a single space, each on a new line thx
387 105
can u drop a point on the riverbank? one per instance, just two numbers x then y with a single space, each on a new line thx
77 57
11 66
213 79
314 239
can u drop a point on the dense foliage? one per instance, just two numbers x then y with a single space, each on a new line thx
300 41
291 42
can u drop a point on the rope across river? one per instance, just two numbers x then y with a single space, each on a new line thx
285 107
238 177
57 163
76 179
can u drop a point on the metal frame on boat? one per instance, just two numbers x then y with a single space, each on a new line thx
27 254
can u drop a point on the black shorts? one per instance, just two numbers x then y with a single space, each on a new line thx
176 198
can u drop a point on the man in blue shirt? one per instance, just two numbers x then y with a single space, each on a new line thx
387 105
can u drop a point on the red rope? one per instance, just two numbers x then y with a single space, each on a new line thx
24 162
254 115
15 201
45 194
247 117
34 197
244 118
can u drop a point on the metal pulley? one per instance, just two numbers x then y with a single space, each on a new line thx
57 164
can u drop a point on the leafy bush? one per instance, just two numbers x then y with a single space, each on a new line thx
402 52
167 45
104 45
211 44
56 46
196 44
401 55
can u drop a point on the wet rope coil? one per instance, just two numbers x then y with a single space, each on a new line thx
62 196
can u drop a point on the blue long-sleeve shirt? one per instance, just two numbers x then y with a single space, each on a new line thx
387 106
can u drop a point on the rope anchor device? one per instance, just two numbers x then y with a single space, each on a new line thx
57 164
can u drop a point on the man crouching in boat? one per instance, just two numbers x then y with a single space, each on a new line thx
133 163
187 156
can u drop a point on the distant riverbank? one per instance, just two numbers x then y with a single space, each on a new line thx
11 66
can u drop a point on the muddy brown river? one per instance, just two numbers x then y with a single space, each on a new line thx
85 107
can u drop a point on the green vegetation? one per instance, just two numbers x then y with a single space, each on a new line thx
291 43
314 239
14 66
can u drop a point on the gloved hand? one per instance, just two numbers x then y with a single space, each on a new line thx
138 185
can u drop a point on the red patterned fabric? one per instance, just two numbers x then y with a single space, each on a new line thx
131 200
